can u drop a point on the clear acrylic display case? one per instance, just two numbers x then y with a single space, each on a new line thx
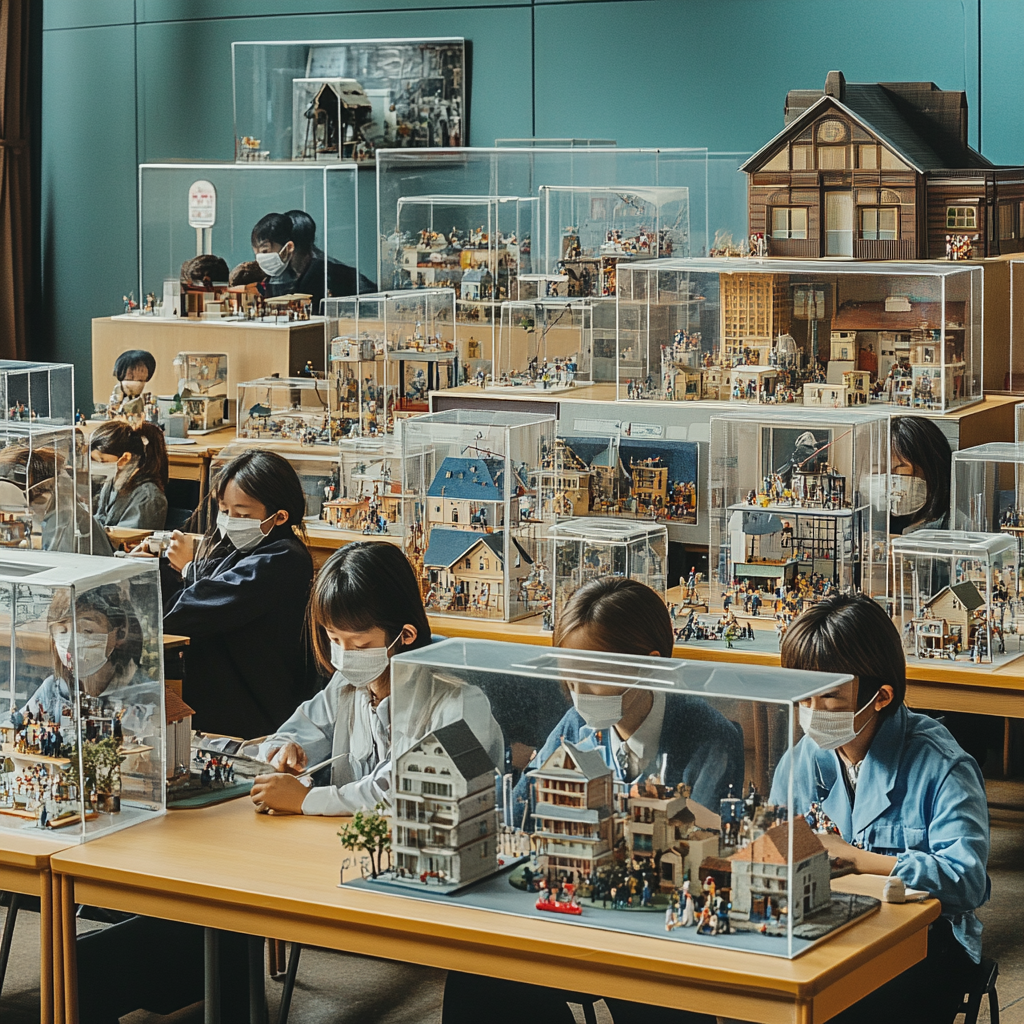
954 595
203 391
588 230
721 864
544 344
40 393
83 729
477 511
241 195
341 99
369 496
632 478
355 359
772 331
589 548
798 510
293 409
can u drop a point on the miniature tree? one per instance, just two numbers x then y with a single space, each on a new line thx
102 764
372 833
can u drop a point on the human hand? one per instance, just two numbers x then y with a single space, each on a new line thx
181 550
841 854
280 793
289 758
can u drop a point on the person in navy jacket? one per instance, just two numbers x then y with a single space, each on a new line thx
907 800
243 600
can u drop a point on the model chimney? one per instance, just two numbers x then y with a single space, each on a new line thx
835 86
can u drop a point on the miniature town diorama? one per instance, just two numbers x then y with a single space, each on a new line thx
82 732
629 838
880 171
587 231
295 409
544 345
588 548
476 511
798 512
203 391
389 350
341 100
954 595
625 477
786 332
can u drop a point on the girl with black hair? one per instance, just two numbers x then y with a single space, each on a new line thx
364 609
133 463
242 597
921 466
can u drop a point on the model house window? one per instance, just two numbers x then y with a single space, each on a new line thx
469 563
831 158
963 217
1007 221
802 158
869 156
879 222
789 222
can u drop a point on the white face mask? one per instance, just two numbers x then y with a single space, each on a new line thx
132 388
244 534
596 711
90 652
907 494
359 668
831 729
271 263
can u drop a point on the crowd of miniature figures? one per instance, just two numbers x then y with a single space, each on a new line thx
213 769
958 247
559 373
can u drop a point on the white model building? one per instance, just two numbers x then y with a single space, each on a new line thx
444 821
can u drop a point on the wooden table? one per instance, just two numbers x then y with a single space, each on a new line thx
226 867
25 869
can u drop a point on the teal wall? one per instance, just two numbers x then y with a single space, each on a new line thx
130 81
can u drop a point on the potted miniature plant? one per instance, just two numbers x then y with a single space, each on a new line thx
372 833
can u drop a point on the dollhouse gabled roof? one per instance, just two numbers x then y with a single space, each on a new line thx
968 595
924 125
176 710
571 760
468 479
446 547
467 754
773 846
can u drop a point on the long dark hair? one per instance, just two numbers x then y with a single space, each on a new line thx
265 477
920 442
849 634
621 615
361 586
145 443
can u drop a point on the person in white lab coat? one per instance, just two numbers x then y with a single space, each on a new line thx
365 608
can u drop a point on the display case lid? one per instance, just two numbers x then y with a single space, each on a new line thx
670 675
613 530
479 418
810 416
63 569
994 451
259 167
948 543
309 383
805 268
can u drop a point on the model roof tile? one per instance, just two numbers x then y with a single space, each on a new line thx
476 479
447 547
466 752
773 846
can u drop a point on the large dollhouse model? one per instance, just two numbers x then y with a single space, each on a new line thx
203 390
582 834
880 171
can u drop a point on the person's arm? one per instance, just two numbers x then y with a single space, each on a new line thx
360 795
259 582
311 726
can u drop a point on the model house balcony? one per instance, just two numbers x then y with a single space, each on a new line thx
796 248
883 249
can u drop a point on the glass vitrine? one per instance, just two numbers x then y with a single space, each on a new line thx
477 509
506 799
955 595
780 332
544 345
82 735
293 409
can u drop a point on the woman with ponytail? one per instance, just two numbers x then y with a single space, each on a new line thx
132 460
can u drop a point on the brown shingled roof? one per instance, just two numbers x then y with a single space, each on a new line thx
176 709
772 847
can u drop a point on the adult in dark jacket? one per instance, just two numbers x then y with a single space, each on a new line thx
243 599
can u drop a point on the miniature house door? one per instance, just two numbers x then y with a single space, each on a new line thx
838 223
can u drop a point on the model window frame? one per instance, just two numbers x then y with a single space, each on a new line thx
789 231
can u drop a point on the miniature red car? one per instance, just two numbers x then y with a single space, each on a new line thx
557 906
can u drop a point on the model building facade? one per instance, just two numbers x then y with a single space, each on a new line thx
880 171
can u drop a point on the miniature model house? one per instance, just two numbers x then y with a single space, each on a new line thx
879 171
760 872
179 732
445 822
572 814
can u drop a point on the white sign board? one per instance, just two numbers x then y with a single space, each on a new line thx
202 204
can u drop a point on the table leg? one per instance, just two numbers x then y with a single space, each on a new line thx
69 949
257 985
57 950
211 960
45 947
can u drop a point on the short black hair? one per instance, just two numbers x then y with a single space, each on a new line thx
132 360
275 227
303 231
920 442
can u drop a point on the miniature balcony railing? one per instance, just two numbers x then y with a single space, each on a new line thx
797 248
884 249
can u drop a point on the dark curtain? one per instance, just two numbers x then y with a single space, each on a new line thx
15 177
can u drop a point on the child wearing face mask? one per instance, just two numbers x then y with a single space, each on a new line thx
132 462
241 595
907 800
921 467
365 608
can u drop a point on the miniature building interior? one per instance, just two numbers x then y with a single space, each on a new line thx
784 331
285 409
82 735
954 595
546 344
793 519
596 829
476 511
203 391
